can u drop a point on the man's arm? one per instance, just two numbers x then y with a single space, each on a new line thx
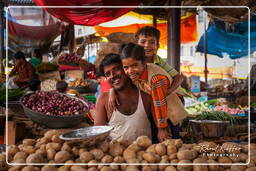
101 113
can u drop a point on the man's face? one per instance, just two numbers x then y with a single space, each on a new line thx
149 43
115 76
133 68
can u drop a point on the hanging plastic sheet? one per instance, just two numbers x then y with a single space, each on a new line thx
31 28
87 16
229 40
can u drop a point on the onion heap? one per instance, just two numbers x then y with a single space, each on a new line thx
52 103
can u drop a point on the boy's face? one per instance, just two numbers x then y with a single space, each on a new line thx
150 45
133 68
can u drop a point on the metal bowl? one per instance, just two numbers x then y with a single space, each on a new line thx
88 135
52 121
209 128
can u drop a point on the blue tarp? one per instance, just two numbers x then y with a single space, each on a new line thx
231 41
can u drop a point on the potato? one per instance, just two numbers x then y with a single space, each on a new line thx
62 157
251 169
129 154
162 167
165 157
29 149
51 154
160 149
63 168
251 163
124 142
134 160
85 157
245 148
35 158
55 146
42 152
42 141
43 147
97 153
107 159
174 161
66 147
151 148
104 146
186 154
106 168
51 133
18 161
178 143
116 150
118 159
20 155
170 168
238 167
134 147
31 142
213 167
224 160
81 150
235 159
200 167
114 167
187 146
49 168
30 168
15 168
140 155
132 168
144 141
12 150
92 169
173 156
56 139
75 151
171 149
150 157
91 163
77 168
184 167
147 168
243 157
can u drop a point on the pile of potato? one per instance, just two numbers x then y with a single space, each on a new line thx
51 149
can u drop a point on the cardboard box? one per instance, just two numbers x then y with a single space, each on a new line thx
74 74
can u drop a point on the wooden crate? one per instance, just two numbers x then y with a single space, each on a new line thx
50 75
74 74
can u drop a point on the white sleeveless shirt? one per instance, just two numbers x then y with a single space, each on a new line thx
130 127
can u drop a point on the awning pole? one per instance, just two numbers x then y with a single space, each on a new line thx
205 49
173 40
2 51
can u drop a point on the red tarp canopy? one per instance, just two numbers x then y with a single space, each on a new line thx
87 16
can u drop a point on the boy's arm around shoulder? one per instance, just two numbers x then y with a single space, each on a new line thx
100 110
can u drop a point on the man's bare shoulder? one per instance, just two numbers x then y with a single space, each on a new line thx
103 96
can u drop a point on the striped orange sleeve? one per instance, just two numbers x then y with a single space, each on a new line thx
160 85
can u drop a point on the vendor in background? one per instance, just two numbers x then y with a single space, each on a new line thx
34 85
36 57
26 72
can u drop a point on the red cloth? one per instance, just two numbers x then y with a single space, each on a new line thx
87 16
104 85
68 68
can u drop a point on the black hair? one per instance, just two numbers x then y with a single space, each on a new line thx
37 53
61 86
132 50
109 59
34 84
19 55
148 31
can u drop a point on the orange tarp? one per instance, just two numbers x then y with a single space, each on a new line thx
188 30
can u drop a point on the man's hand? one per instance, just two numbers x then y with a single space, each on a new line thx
163 134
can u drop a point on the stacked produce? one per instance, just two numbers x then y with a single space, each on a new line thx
229 110
78 83
50 149
217 116
46 67
13 94
72 58
48 85
51 103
